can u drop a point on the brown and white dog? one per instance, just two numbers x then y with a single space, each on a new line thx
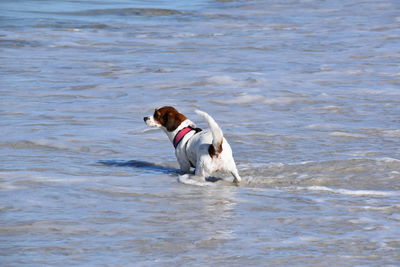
205 150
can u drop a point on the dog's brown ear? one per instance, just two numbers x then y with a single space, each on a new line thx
172 120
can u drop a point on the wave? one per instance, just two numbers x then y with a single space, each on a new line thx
229 80
18 43
349 174
38 144
127 12
342 191
346 135
362 177
76 27
246 99
48 145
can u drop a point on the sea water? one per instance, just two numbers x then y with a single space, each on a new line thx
306 92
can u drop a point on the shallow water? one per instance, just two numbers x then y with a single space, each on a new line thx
306 92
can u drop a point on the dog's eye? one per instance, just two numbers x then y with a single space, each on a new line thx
156 114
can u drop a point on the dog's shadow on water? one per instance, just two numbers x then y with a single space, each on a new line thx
147 166
139 164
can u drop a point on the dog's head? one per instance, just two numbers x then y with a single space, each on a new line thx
167 117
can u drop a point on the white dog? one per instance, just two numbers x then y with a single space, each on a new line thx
207 151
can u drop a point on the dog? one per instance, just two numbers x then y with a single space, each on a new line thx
205 150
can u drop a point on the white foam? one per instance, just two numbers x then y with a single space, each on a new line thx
346 135
245 99
342 191
233 81
392 133
362 220
280 100
357 71
323 126
333 108
186 179
385 92
388 160
222 80
256 99
184 35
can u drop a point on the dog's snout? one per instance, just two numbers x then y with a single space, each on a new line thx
145 119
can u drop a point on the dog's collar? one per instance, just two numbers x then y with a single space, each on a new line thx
182 133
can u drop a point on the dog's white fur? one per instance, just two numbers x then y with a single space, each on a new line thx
194 148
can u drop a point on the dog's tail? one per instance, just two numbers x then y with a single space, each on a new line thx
216 148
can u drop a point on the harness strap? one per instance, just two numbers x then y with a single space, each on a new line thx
182 133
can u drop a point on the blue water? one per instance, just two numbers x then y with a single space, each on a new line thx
306 92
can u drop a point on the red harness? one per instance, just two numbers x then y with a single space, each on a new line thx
182 133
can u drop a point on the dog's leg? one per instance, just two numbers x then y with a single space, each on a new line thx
200 174
184 168
236 176
199 178
184 165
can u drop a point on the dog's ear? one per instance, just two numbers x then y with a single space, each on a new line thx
172 120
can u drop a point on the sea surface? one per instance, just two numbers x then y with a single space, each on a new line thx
306 92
